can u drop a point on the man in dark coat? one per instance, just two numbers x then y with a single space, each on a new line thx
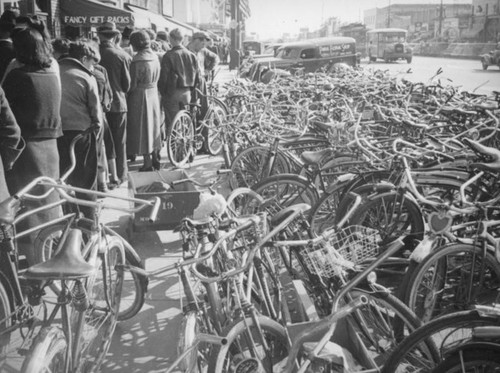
7 54
11 143
179 76
117 64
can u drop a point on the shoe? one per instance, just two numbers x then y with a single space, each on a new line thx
156 164
146 169
102 187
131 157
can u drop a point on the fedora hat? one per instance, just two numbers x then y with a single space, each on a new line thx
108 28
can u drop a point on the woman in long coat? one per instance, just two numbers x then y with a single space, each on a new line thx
143 128
33 89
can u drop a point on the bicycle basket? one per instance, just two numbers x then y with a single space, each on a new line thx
348 247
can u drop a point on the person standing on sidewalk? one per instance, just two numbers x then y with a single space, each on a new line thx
80 110
117 64
179 76
33 89
144 135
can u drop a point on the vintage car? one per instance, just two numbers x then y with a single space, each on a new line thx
388 44
308 56
489 59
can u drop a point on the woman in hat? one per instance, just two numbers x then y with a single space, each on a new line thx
33 89
143 130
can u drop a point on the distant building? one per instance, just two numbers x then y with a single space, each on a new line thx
424 20
485 25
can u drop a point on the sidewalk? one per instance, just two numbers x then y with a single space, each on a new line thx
148 342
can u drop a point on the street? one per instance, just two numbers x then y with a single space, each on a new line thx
466 74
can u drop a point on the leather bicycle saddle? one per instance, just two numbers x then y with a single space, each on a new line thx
491 155
67 264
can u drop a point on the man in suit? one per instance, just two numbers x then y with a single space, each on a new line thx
117 63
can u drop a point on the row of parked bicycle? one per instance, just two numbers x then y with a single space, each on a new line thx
387 190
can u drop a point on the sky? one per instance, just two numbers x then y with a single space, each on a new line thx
271 18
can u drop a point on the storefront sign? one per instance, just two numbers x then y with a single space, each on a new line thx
85 20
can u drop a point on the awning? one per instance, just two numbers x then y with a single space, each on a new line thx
92 13
144 19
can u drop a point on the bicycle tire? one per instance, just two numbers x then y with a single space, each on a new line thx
135 285
5 323
280 191
434 290
212 131
424 348
97 323
237 345
47 353
243 201
197 360
401 217
324 213
475 360
251 165
180 139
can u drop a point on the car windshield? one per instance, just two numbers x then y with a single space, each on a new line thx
393 37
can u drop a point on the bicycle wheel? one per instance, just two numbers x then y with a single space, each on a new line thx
197 359
47 353
382 323
451 279
280 191
212 131
324 213
134 284
423 350
96 325
470 361
180 140
252 164
5 322
245 344
393 215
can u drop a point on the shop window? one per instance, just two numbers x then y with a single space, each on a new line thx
140 3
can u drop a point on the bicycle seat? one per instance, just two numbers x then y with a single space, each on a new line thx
315 156
67 264
491 154
198 223
8 210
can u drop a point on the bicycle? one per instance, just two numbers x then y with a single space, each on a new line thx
23 301
90 277
189 133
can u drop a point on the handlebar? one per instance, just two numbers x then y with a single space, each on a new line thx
293 212
63 190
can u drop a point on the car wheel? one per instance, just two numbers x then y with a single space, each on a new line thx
485 65
408 59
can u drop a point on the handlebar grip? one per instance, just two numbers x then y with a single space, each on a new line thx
155 209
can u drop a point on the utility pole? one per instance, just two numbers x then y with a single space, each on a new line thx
389 15
440 28
234 54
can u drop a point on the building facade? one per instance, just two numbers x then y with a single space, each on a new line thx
448 20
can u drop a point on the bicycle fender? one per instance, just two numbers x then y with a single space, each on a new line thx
472 346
